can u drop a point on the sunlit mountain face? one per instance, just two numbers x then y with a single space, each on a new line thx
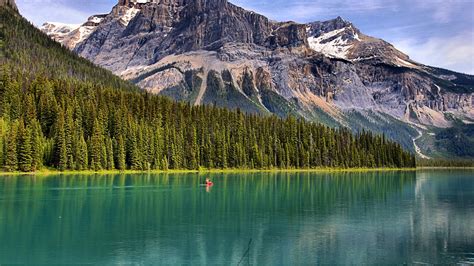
213 52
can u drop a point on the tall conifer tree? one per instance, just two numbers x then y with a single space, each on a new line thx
25 157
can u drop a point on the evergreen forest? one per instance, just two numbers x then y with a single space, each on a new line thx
60 111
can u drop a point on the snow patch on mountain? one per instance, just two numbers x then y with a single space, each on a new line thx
82 34
404 63
356 37
58 30
70 35
95 19
330 45
129 15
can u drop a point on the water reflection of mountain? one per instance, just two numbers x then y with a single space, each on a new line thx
443 215
291 217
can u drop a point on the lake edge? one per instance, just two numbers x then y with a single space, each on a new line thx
47 172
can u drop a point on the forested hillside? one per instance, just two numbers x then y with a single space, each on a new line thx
60 111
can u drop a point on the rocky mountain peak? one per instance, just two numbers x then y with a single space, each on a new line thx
135 2
162 27
334 24
318 28
198 4
339 38
334 38
214 52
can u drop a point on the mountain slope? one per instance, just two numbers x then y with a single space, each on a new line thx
213 52
26 50
60 111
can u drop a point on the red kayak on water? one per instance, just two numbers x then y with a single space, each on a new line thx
209 182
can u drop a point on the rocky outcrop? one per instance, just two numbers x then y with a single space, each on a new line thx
10 3
213 52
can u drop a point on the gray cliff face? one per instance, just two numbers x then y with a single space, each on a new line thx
173 27
213 52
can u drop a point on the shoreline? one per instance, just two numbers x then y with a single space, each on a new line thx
445 168
47 172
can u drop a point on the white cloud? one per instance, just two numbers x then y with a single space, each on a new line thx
444 11
455 53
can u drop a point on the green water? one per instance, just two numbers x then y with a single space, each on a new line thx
290 218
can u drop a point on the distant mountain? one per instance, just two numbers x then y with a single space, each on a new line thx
213 52
60 111
339 38
71 35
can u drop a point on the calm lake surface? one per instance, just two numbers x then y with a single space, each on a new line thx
290 218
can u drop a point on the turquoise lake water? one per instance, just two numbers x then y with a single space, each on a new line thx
279 218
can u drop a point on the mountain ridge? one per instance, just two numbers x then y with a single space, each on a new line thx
213 52
60 111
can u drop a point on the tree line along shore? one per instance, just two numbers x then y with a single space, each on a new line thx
59 111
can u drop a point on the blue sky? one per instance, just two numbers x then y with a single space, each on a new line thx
433 32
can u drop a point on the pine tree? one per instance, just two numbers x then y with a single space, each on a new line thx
30 109
70 139
3 133
157 156
60 144
103 155
2 146
120 154
165 164
82 161
11 156
135 160
25 158
48 108
96 147
36 146
110 155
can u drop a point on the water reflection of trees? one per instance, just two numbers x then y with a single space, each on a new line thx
148 215
257 190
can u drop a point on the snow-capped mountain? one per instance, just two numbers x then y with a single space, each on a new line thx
336 38
213 52
339 38
71 34
58 31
